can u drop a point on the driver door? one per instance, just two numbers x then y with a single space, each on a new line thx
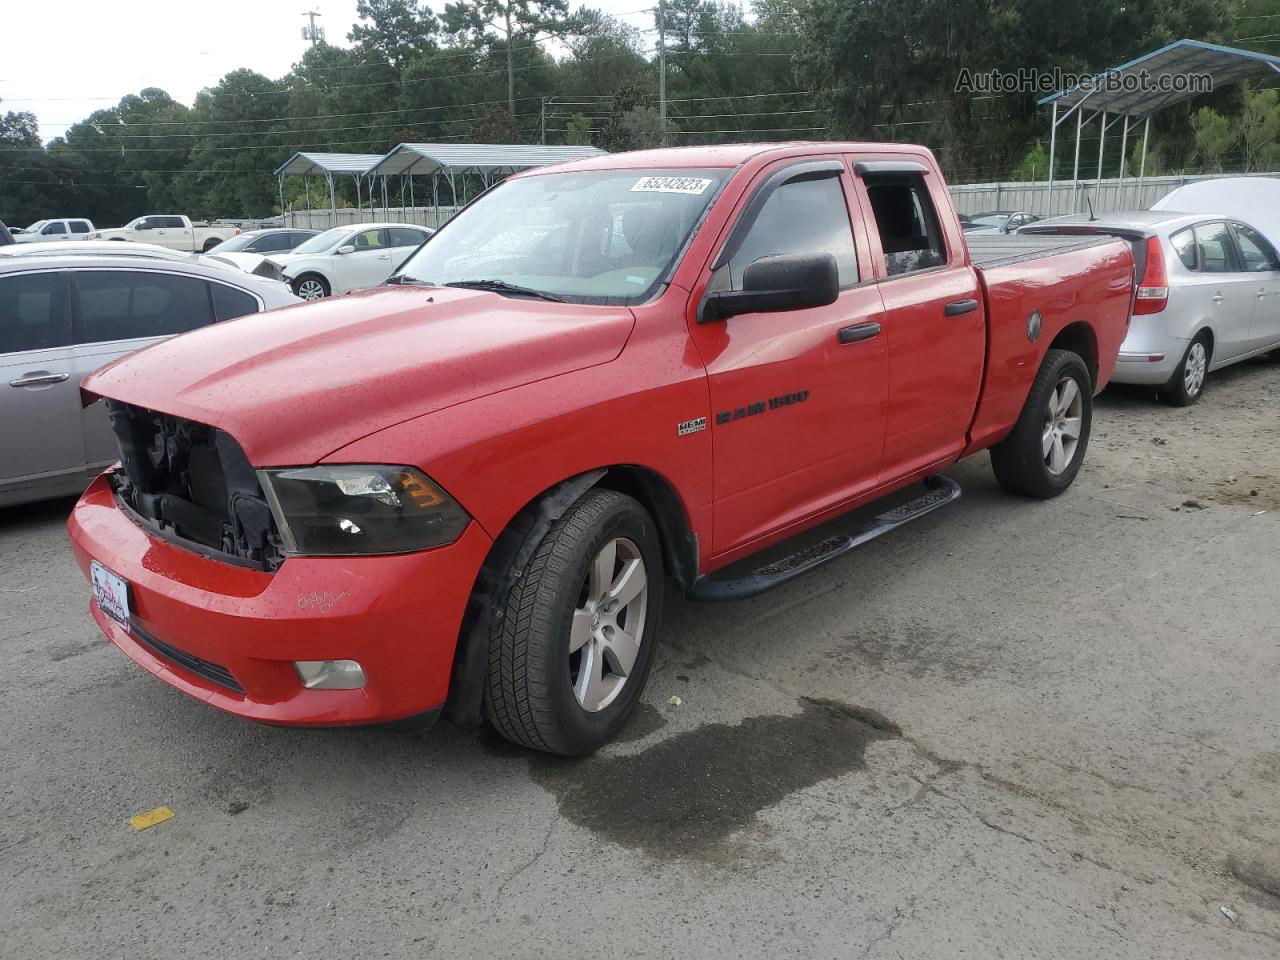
797 397
368 265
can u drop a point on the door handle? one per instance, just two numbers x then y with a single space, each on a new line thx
39 379
1217 298
958 308
858 332
385 256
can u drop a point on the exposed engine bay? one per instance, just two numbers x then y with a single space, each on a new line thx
192 484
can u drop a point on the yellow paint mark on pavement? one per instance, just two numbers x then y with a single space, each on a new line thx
149 819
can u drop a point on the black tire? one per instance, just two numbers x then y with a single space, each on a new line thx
529 696
1019 460
1176 393
309 278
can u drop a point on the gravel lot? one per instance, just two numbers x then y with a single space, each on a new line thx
1013 729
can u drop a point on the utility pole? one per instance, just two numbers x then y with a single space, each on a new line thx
312 32
662 69
545 101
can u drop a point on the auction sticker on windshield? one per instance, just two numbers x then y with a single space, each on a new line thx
111 592
694 185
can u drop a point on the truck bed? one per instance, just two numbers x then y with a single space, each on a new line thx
1000 249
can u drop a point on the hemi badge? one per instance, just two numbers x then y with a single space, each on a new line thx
686 427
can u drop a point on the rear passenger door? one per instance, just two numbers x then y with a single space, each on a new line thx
118 311
935 325
403 241
1261 266
1222 291
797 398
39 391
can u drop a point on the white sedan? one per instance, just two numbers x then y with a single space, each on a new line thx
349 258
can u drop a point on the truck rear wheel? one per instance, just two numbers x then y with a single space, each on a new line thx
570 656
210 244
1043 454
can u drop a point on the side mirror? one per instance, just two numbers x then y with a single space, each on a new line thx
345 249
789 281
143 225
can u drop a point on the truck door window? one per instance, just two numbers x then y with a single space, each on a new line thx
29 314
79 226
803 216
1184 245
1214 245
171 223
910 235
55 228
126 304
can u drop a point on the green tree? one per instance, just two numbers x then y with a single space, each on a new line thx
1215 135
499 24
579 131
397 31
1033 166
1260 128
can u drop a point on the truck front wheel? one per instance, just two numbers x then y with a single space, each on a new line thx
569 658
1043 453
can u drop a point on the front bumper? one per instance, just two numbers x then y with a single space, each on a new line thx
229 635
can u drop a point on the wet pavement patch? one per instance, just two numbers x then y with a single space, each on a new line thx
644 720
685 795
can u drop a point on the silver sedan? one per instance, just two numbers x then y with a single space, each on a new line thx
63 314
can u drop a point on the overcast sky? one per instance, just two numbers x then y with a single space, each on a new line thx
63 59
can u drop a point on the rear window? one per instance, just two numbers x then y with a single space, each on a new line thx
127 304
910 235
1184 245
229 303
30 314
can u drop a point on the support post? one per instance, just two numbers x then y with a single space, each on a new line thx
1053 144
282 201
333 200
1124 160
1075 170
1142 165
1102 139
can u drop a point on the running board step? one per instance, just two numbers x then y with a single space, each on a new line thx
942 491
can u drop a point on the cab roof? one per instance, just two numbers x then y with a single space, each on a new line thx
728 156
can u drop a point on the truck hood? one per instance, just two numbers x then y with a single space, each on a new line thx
295 384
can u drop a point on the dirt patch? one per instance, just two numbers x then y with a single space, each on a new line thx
1262 878
684 796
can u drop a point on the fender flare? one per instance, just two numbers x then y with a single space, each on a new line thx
510 554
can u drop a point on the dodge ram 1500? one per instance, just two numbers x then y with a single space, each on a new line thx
463 491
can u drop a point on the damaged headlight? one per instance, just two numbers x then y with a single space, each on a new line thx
346 510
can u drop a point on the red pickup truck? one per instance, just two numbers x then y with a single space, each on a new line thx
464 490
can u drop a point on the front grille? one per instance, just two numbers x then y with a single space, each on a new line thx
213 672
192 484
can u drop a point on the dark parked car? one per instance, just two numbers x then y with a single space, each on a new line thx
264 242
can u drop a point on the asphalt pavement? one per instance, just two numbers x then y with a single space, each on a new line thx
1012 729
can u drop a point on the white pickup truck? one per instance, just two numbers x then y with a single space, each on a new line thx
165 230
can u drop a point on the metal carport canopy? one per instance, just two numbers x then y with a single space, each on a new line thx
425 159
321 164
1226 65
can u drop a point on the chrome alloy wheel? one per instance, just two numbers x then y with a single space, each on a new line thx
1196 367
311 290
1062 420
608 624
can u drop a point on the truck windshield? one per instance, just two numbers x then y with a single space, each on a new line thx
604 236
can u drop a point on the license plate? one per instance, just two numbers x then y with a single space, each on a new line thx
111 592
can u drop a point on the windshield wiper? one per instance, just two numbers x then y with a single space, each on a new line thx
402 279
501 286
